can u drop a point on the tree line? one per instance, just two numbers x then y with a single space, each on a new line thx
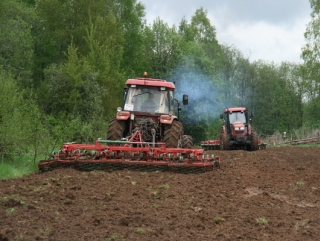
63 65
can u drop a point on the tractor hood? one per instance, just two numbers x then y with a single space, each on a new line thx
238 129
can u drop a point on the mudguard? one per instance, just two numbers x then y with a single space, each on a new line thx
167 119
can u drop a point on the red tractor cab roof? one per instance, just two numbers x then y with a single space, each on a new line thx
235 109
150 82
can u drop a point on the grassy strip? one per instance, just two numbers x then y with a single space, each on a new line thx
289 145
18 167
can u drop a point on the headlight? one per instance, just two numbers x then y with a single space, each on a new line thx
240 128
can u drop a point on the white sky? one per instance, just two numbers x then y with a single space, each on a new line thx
271 30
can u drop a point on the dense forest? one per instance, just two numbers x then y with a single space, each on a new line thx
64 63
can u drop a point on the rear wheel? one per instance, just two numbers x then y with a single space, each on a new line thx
116 129
254 141
173 135
187 142
224 141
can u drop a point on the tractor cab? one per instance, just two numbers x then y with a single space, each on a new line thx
237 117
151 99
149 107
236 120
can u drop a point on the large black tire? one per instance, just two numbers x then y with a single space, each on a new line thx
187 142
224 141
173 135
254 141
116 129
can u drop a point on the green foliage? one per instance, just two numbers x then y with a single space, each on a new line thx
11 116
130 14
16 40
162 48
310 70
21 129
311 51
199 30
276 110
203 31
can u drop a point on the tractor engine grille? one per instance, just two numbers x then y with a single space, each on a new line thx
239 132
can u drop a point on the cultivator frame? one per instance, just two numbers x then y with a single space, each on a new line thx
133 154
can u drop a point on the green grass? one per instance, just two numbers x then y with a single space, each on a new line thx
308 145
114 237
289 145
304 224
18 167
164 186
300 183
218 220
140 230
10 210
262 220
300 145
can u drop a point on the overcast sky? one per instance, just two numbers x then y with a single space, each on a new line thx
271 30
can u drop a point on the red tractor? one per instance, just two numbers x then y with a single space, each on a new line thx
149 108
236 132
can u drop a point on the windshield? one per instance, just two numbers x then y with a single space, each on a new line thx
237 117
149 99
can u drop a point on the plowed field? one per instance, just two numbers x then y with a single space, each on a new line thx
271 194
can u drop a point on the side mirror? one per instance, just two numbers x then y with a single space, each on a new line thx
185 99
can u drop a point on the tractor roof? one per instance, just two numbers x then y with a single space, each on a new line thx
150 82
235 109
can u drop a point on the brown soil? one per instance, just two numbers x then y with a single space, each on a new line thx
271 194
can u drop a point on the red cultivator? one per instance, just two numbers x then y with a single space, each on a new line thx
215 145
211 145
133 154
